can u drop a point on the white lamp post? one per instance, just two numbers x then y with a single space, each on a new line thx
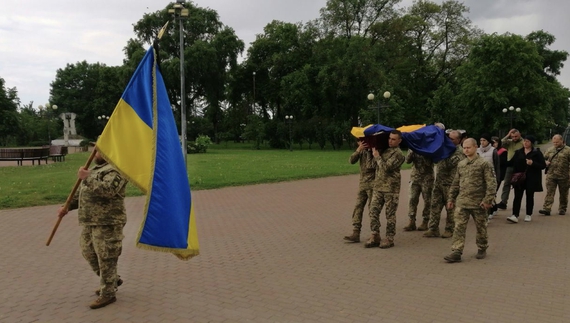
289 120
511 113
387 96
49 109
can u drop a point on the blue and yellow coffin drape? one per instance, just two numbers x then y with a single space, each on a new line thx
427 140
141 141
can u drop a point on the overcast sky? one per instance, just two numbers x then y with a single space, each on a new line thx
39 36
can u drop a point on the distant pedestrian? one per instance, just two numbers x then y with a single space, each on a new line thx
471 194
502 152
511 142
528 160
386 191
363 154
489 153
557 175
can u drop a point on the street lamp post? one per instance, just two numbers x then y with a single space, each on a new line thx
253 105
48 111
103 119
289 120
511 113
180 13
386 95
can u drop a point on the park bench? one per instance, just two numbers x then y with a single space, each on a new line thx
21 154
57 152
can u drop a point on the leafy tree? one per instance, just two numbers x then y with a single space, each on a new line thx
210 53
502 70
9 121
89 90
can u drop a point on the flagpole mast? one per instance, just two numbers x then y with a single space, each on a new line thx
181 13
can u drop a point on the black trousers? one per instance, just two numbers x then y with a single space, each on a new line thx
518 200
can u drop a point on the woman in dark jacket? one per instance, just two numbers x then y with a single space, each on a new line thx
529 160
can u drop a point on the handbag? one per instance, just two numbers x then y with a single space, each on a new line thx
518 179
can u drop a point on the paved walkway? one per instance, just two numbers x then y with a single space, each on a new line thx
274 253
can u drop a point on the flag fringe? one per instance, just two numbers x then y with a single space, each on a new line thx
182 254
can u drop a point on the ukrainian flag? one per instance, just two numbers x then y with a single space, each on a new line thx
141 141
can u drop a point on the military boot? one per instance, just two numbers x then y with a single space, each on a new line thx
119 283
455 256
481 254
102 301
387 243
423 226
355 237
447 234
431 233
411 226
374 241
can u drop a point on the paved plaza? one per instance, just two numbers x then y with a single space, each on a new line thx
275 253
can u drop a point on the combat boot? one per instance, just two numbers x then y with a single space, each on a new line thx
119 283
411 226
355 237
423 226
431 234
447 234
102 301
387 243
481 254
453 257
374 241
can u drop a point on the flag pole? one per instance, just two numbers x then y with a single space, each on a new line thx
70 197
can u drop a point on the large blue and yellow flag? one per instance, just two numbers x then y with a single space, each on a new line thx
141 141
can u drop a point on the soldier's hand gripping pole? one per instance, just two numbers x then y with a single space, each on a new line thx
70 197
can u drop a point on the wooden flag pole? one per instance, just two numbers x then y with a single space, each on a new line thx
70 197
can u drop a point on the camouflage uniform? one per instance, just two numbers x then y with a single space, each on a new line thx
386 190
367 175
421 182
101 203
473 183
558 175
445 170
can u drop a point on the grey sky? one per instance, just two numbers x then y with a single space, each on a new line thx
37 36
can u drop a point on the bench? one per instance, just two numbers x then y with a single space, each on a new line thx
21 154
57 152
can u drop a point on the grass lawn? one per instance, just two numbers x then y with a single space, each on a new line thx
25 186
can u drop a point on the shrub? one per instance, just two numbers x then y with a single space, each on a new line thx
200 145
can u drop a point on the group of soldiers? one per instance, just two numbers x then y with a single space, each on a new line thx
464 184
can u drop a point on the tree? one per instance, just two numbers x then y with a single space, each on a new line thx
501 71
89 90
210 53
9 121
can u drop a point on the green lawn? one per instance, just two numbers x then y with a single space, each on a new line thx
220 167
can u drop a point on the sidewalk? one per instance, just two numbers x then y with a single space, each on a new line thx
274 253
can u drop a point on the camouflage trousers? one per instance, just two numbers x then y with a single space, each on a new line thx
438 202
416 188
101 246
563 186
379 199
364 195
461 218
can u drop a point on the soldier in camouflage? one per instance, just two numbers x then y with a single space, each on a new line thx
386 191
100 201
367 174
557 174
471 193
421 182
445 170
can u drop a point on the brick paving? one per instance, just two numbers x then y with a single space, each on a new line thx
274 253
